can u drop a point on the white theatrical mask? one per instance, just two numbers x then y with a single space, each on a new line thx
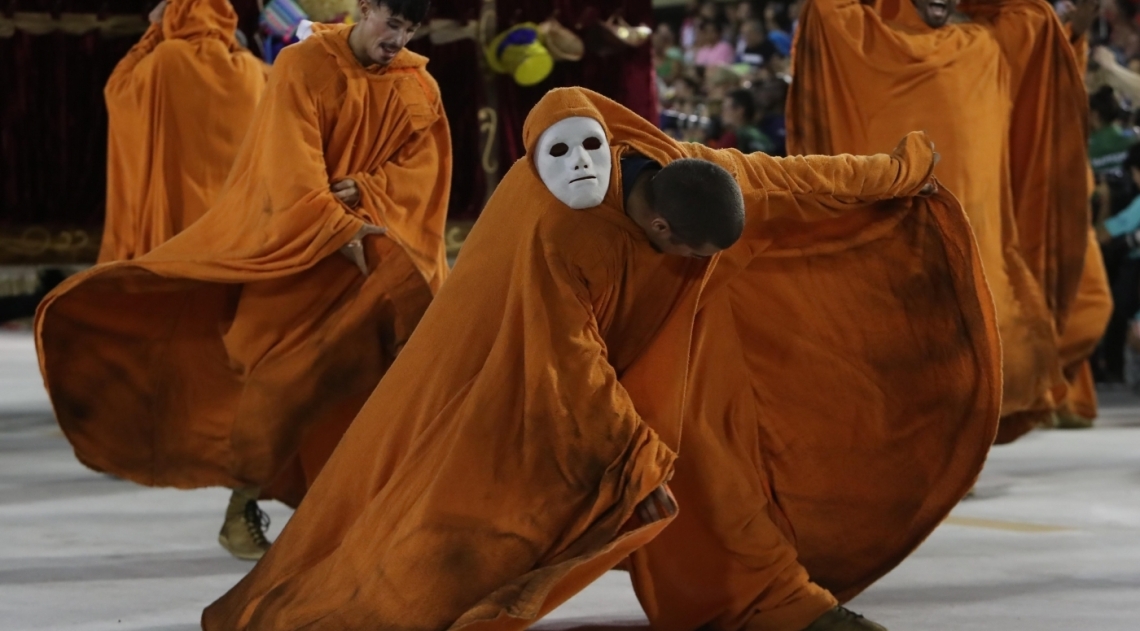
574 162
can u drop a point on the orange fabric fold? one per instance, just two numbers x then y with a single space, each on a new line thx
1002 98
179 105
486 481
217 358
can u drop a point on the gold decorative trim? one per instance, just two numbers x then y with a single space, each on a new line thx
72 24
455 235
489 126
35 244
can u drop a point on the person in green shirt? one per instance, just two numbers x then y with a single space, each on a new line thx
738 115
1108 142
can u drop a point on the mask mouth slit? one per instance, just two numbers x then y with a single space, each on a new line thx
581 179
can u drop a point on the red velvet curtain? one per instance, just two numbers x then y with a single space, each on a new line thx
455 67
53 129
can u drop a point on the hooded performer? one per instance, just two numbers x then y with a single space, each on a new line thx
237 353
1001 95
519 446
179 105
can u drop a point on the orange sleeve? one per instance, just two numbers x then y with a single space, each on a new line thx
1026 30
1048 144
409 193
813 188
286 146
846 17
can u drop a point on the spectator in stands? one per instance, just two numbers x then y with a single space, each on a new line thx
712 50
779 27
771 94
668 59
691 27
738 116
756 51
1122 231
738 15
1108 141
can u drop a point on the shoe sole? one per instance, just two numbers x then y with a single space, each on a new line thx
244 556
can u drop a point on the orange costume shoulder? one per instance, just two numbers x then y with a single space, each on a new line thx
558 374
179 105
223 355
1002 98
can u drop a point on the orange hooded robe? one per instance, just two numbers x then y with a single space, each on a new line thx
179 105
236 353
1003 101
487 481
1092 307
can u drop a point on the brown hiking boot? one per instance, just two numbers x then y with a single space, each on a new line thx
243 532
843 619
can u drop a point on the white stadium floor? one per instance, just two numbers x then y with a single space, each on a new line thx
1051 542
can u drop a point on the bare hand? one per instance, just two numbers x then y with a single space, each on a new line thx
156 13
659 505
354 249
1104 57
1082 16
347 191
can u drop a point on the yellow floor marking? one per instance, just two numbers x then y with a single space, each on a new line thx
1010 526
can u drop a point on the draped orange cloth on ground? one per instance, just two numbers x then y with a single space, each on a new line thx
1087 321
236 353
1003 100
495 470
179 105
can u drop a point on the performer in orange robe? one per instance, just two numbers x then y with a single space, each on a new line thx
179 105
237 353
1092 307
1001 95
498 466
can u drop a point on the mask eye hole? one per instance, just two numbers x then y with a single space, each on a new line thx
592 143
559 150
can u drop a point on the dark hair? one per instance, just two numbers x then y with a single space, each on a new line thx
1104 103
700 200
713 23
743 99
414 11
1133 159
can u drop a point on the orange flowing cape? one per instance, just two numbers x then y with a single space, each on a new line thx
179 105
495 470
1003 101
846 389
215 357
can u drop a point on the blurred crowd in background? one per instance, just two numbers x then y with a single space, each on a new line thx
722 73
1114 113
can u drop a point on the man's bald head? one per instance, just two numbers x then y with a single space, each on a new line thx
695 208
